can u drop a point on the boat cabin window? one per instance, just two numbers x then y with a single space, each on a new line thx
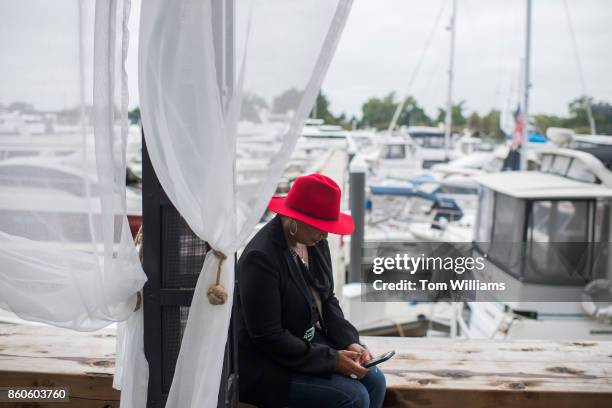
394 151
429 140
565 166
579 171
507 230
558 249
484 221
547 161
559 221
560 165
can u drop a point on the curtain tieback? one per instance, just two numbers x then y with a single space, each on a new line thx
217 295
138 301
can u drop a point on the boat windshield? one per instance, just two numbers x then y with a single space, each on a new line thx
559 237
567 167
559 242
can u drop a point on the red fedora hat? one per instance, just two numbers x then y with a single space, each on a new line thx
315 200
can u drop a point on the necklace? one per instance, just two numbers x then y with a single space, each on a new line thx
299 254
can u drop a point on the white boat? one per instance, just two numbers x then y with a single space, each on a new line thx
75 196
554 216
430 143
317 129
395 157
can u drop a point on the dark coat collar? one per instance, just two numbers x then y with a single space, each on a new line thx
276 232
277 235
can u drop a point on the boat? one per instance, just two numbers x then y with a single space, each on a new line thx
317 129
394 158
560 219
430 143
22 212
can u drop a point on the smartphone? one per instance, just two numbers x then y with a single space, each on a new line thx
380 359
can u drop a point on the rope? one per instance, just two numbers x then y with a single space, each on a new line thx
138 301
580 71
217 295
400 106
138 243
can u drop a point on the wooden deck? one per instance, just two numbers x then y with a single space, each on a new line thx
425 372
486 373
42 356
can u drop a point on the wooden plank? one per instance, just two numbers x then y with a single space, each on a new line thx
87 390
428 372
44 356
483 373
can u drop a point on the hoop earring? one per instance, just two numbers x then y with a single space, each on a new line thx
292 233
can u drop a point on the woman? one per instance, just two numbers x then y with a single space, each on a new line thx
296 348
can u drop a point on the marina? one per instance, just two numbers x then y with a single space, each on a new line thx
201 205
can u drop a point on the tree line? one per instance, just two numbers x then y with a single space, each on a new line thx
378 112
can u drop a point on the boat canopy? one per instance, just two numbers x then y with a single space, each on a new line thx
538 185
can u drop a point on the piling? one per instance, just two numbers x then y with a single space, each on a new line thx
357 182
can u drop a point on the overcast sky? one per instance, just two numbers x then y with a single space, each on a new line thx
377 54
383 41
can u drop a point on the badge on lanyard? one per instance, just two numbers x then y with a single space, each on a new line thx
309 335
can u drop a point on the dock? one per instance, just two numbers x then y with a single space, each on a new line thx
431 372
441 373
33 355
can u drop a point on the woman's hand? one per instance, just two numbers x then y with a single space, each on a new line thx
348 364
364 354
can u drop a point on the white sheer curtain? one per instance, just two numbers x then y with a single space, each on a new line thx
66 253
219 142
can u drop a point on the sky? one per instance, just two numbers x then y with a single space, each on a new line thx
384 40
378 52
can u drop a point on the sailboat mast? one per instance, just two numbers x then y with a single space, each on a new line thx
526 86
449 95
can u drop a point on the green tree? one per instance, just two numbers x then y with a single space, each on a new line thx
474 122
321 110
543 122
412 114
578 109
378 113
251 106
602 112
287 101
579 118
489 124
23 107
134 115
459 120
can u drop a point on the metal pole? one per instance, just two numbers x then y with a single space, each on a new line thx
526 86
449 95
357 179
351 151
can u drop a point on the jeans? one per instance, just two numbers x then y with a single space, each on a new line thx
339 391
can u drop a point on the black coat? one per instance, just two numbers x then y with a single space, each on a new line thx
275 309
